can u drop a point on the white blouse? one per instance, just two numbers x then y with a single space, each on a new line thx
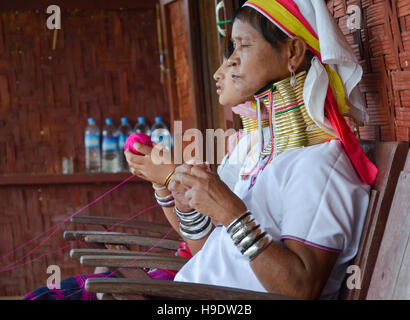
312 195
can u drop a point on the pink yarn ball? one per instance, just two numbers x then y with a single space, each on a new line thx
137 137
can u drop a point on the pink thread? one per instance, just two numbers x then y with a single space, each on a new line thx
73 242
57 226
137 138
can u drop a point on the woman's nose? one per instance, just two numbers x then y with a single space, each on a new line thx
233 60
218 74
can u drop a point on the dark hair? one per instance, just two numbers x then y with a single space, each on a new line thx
267 29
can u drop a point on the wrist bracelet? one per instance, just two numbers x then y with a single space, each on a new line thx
187 216
193 225
158 188
257 247
197 234
163 199
248 236
237 223
185 213
168 178
166 202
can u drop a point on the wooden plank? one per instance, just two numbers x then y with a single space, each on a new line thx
81 234
76 254
141 261
133 240
402 289
175 290
55 179
390 264
407 164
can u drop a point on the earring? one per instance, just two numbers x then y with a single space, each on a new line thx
293 81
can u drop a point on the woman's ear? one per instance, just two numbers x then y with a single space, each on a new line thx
297 53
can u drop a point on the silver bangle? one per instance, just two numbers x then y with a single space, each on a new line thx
195 225
191 218
198 233
237 223
257 247
249 239
185 213
158 189
241 232
188 217
248 236
163 199
168 204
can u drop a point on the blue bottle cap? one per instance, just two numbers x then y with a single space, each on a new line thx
108 121
91 120
124 120
158 119
141 120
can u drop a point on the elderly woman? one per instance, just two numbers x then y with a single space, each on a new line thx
289 219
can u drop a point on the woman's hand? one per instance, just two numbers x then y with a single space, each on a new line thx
144 166
209 194
178 191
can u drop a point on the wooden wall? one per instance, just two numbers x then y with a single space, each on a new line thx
382 45
106 64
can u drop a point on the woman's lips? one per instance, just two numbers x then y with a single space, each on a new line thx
219 89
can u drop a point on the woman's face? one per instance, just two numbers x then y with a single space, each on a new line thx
254 63
225 88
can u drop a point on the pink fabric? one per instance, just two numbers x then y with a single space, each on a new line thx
246 110
137 137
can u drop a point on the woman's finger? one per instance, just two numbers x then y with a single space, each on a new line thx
183 168
200 171
133 158
186 179
143 148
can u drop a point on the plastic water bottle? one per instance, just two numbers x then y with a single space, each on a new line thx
123 132
142 126
160 133
92 147
109 148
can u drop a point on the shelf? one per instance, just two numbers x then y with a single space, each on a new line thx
55 179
